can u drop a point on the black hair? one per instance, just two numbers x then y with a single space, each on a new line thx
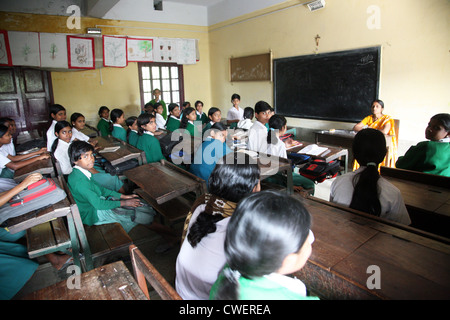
156 105
114 115
235 96
184 119
379 102
3 120
171 107
443 119
231 182
75 116
249 113
276 122
143 119
218 126
101 109
265 228
58 127
212 110
3 130
369 147
77 148
129 122
197 103
55 108
186 103
261 106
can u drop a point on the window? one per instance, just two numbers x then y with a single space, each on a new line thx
167 77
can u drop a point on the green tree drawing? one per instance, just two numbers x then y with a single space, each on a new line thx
145 46
53 51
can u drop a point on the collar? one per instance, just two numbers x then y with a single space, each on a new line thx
117 125
134 131
106 120
63 143
447 139
198 112
292 284
84 171
149 133
173 117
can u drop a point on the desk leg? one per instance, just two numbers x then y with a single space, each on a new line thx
74 241
89 265
346 163
289 182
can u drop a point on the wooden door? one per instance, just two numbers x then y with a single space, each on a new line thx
25 95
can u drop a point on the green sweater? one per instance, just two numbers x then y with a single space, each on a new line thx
133 138
173 124
427 156
150 145
119 133
103 127
164 114
87 194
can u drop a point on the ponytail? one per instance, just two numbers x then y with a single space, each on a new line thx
228 285
58 127
114 115
184 119
276 122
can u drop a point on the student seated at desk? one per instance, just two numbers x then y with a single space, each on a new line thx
78 122
201 255
212 150
117 131
132 131
57 113
431 156
9 161
364 189
246 123
147 141
187 122
15 265
201 116
160 122
257 135
173 121
103 124
214 115
268 237
276 147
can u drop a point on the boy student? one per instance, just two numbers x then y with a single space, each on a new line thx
235 114
57 113
257 134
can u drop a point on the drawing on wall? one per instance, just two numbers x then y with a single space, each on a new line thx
114 51
165 50
24 48
5 53
53 50
251 68
139 49
186 51
80 52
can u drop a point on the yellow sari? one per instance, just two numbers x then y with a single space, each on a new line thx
379 124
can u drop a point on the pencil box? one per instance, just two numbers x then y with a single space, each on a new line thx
36 196
318 170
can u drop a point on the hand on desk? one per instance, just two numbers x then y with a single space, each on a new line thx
44 156
30 179
130 201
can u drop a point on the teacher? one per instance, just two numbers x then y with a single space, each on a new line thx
385 124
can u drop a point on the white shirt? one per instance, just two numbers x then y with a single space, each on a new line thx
392 204
79 135
51 135
278 149
87 173
197 268
160 122
257 137
235 114
245 124
62 155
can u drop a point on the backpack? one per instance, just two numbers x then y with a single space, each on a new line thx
120 168
167 144
36 196
318 170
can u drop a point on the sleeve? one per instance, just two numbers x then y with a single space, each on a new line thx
413 158
4 160
83 189
366 120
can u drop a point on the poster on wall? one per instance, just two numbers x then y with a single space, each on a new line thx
140 49
186 51
24 48
5 52
115 51
80 52
165 50
53 47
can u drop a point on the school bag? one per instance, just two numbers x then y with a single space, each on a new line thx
167 143
318 170
36 196
119 168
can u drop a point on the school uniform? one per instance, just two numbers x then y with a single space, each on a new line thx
79 135
160 122
173 123
103 127
133 138
164 114
62 155
5 151
202 117
207 127
119 132
391 200
245 124
257 137
150 145
192 129
235 114
51 135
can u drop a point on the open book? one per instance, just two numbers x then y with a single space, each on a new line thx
110 149
313 150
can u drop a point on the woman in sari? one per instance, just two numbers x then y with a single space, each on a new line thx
385 124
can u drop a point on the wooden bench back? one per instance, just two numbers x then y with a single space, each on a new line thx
416 176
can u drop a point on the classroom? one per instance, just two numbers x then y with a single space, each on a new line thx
412 38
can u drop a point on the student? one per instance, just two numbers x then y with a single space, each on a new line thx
8 162
235 114
185 105
57 113
214 116
15 265
257 135
173 121
103 124
11 125
117 131
276 147
431 156
132 131
212 150
268 237
187 122
78 123
201 255
157 94
384 123
364 189
201 116
160 122
147 141
60 147
246 123
149 108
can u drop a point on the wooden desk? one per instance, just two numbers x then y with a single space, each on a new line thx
412 265
44 166
124 153
109 282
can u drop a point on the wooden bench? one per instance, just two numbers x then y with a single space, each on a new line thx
144 271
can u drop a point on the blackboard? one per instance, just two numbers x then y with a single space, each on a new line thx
338 86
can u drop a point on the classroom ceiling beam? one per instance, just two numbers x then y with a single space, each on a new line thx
99 8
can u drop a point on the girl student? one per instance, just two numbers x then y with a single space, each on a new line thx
147 142
364 189
78 122
132 131
8 162
268 237
277 148
187 121
103 123
214 115
57 113
160 122
173 121
432 156
246 123
201 256
201 116
211 151
115 126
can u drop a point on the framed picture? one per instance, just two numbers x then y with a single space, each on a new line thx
5 52
80 52
24 48
115 51
53 47
140 49
251 68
